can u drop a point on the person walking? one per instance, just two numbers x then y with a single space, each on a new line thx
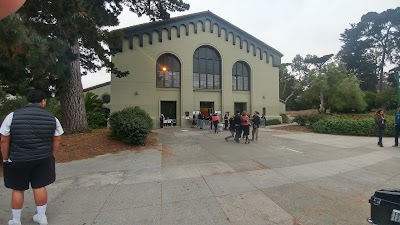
256 125
238 122
226 122
231 128
246 127
397 127
380 123
215 121
30 137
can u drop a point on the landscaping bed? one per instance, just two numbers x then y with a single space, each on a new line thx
88 145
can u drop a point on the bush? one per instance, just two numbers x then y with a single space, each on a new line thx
272 122
348 126
387 99
11 105
96 115
131 125
285 118
96 120
307 120
54 107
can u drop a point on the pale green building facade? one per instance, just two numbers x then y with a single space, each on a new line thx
197 62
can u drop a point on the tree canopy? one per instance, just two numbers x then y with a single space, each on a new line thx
80 25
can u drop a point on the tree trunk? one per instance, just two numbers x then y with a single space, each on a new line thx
72 102
384 46
321 106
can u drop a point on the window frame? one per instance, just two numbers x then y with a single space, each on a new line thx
207 68
238 75
174 68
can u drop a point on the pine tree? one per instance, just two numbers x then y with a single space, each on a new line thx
80 24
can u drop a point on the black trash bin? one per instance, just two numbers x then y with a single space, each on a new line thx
385 207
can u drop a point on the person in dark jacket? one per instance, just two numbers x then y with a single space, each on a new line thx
380 124
29 139
226 122
238 122
231 128
256 125
397 127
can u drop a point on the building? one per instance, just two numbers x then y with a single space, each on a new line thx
192 63
102 90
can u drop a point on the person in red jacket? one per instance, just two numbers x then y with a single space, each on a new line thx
215 121
246 126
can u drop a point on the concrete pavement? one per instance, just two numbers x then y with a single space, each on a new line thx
196 177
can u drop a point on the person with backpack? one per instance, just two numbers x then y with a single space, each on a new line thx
238 122
231 128
215 122
246 126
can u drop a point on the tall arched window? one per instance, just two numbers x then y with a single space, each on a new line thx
241 76
206 68
168 71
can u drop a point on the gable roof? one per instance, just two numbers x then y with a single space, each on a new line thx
97 86
158 26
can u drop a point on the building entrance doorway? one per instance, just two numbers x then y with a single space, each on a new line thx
242 106
168 108
207 108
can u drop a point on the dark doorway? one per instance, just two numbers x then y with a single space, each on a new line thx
242 106
168 108
207 108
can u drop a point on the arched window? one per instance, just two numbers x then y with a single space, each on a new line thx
206 68
168 71
241 76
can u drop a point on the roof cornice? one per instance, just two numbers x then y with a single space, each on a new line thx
158 26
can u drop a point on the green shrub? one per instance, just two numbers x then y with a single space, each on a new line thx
11 105
53 106
131 125
272 122
348 126
96 120
308 120
285 118
386 99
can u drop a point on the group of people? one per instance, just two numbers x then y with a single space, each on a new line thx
380 126
239 126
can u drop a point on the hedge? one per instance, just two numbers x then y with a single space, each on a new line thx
349 126
272 122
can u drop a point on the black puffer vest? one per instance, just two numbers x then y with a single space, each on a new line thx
32 131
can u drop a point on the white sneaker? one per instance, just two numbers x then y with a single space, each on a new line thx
13 222
40 220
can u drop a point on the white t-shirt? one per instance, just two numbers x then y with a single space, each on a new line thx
5 127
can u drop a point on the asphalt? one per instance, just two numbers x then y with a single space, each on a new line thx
196 177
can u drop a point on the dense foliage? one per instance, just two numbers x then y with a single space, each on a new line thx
96 114
348 126
131 125
272 122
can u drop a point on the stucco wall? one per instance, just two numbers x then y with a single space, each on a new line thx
139 88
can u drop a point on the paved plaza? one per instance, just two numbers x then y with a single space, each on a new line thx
195 177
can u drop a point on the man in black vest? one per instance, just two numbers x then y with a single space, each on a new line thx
29 138
256 125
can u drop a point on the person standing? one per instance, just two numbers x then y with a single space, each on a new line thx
30 137
238 122
246 127
162 119
200 119
215 121
256 125
226 122
231 128
380 122
397 127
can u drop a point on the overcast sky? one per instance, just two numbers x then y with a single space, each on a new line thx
290 26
